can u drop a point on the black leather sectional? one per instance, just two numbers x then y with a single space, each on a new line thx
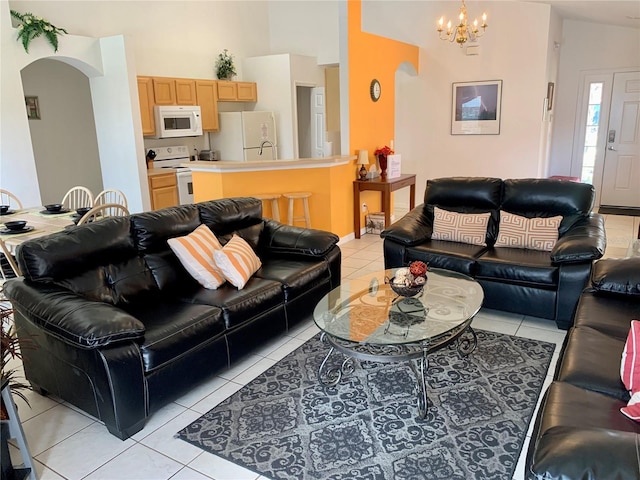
579 432
532 282
112 323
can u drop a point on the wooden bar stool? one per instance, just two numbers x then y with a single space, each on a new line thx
273 197
304 196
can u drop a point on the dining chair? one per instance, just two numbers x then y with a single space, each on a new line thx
8 262
77 197
103 211
110 195
8 198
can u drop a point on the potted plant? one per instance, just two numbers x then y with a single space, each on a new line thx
10 351
32 27
225 69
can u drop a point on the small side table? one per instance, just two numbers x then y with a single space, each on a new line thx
385 186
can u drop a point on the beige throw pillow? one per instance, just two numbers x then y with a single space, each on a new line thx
237 261
195 252
532 233
460 227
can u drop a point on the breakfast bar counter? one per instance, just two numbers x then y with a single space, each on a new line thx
328 179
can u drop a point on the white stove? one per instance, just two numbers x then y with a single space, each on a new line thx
173 157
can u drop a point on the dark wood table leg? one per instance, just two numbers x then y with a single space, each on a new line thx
356 210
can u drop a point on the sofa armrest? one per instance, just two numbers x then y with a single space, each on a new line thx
569 453
412 229
584 241
72 318
287 239
617 275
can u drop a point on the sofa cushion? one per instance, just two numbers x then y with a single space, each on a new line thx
533 233
617 275
173 329
238 306
151 230
517 265
296 276
237 261
242 216
584 365
608 314
459 257
195 252
542 197
460 227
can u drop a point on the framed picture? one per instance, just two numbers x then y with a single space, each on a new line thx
550 87
33 109
476 108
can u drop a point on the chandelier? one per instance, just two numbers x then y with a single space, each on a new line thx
463 32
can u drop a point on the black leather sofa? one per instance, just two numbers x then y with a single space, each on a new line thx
579 432
532 282
112 323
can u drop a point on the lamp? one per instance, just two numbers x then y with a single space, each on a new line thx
363 159
462 33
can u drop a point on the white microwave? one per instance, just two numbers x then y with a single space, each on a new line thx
178 121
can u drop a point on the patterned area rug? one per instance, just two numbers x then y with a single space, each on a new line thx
285 425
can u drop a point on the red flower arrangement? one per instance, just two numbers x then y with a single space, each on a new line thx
383 151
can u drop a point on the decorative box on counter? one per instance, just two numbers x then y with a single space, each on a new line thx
393 166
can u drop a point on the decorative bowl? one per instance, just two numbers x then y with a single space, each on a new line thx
4 208
82 211
16 225
405 290
53 207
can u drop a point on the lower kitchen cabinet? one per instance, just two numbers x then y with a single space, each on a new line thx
163 189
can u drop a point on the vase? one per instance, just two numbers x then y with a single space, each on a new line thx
382 161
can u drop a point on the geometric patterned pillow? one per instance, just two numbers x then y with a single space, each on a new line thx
630 371
532 233
195 252
237 261
460 227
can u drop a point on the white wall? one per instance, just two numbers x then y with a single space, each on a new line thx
585 48
64 139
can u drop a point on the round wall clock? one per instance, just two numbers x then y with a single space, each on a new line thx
375 90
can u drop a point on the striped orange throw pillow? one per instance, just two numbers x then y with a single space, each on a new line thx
460 227
195 252
237 261
522 232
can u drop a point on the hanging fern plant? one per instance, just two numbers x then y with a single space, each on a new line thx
33 27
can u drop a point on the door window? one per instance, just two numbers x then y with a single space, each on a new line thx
591 132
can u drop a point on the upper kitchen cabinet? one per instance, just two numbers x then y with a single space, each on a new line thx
207 98
174 91
237 91
145 96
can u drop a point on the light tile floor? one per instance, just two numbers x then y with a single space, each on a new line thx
68 444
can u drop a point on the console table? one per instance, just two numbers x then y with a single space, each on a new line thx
386 186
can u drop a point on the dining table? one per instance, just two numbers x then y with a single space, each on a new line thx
40 222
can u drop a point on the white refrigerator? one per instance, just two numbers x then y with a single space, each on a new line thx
246 136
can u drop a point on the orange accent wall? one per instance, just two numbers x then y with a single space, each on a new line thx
371 124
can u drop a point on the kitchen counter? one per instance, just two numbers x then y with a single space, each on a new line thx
266 165
328 179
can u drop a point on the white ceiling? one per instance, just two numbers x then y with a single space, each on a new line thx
624 13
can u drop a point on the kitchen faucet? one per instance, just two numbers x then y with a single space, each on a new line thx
273 150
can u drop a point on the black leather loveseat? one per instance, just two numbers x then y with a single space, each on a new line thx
533 282
112 322
579 432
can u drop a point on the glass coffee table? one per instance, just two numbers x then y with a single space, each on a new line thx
365 319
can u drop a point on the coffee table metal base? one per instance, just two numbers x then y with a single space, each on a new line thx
413 353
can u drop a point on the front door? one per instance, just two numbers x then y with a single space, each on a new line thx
621 174
318 125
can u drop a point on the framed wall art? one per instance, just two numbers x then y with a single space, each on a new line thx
33 108
475 108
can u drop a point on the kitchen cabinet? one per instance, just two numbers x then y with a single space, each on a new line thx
163 189
237 91
207 98
174 91
145 96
